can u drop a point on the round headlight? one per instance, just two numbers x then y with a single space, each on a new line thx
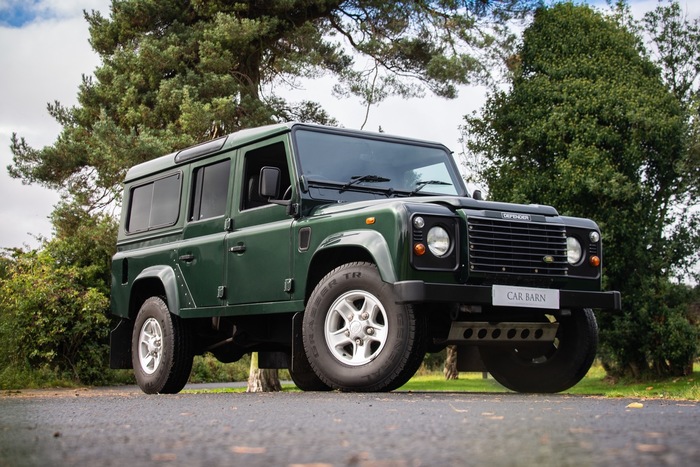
573 250
438 241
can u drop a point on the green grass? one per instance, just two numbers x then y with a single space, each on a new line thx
680 387
206 369
594 383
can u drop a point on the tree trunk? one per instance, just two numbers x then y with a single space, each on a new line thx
262 380
450 370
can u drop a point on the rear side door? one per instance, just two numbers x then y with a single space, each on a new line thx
201 254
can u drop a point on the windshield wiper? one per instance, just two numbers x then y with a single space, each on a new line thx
363 178
421 184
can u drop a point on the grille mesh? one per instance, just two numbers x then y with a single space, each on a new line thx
517 248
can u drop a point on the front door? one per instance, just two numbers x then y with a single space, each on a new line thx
259 245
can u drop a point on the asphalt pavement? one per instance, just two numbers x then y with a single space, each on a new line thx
124 427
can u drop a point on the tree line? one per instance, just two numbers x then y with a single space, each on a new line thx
590 111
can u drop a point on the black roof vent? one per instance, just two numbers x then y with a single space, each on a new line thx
200 150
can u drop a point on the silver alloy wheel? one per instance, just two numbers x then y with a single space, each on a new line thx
356 328
150 346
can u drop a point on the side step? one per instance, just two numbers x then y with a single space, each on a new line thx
482 333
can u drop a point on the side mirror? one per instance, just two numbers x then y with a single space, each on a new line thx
270 182
477 195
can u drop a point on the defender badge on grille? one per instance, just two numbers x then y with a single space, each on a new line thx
515 217
549 259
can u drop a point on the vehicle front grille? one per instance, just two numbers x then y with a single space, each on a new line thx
516 248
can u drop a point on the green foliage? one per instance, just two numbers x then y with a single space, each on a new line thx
207 369
54 302
589 126
433 362
48 322
13 376
677 42
175 72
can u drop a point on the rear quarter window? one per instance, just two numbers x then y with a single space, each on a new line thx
155 204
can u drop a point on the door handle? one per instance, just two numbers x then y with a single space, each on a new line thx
187 258
240 248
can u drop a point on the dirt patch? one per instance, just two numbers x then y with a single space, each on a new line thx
71 392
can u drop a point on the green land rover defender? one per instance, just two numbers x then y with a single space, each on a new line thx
345 256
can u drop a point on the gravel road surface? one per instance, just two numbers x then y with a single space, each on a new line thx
123 427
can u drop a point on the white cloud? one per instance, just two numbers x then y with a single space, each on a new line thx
41 62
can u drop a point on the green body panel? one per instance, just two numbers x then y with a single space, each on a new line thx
258 272
132 268
345 228
204 274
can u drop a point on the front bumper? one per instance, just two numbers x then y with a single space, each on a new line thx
420 292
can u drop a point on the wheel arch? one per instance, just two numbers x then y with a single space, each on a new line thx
154 281
347 247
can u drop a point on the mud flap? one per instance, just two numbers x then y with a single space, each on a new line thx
299 362
120 345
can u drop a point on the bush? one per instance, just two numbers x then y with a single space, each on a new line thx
207 369
656 337
51 324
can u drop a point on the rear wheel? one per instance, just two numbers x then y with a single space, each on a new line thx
161 349
356 337
554 367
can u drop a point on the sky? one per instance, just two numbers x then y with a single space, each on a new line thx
44 52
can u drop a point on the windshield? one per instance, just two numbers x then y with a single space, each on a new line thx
348 163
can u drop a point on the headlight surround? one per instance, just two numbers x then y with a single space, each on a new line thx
574 251
439 242
435 240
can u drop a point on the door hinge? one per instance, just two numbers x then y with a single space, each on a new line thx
289 285
221 292
228 224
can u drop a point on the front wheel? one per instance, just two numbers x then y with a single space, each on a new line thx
551 368
356 337
161 349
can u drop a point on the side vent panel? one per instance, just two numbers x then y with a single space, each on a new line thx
304 238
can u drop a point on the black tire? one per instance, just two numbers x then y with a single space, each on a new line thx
377 344
161 349
552 368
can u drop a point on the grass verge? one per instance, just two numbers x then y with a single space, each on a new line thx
595 383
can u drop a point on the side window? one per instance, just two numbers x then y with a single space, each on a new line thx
154 204
273 155
210 191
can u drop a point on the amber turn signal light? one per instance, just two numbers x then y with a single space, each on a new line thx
594 261
419 249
